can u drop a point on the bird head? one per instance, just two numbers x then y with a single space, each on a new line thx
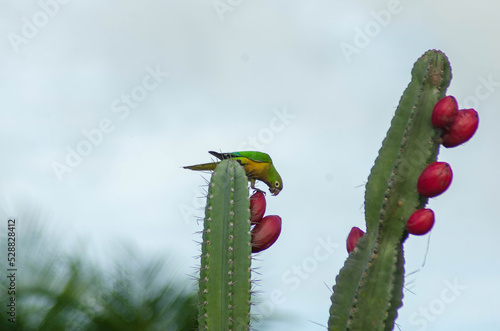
275 183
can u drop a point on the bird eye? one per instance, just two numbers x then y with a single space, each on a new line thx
277 184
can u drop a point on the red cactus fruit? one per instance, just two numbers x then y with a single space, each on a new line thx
420 222
266 233
444 113
257 207
353 237
462 129
435 179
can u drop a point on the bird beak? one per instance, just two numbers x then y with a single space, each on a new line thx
275 192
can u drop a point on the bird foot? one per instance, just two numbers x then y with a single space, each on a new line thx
255 190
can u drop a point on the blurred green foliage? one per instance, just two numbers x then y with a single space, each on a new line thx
62 291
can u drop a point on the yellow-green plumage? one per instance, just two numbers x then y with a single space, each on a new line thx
257 165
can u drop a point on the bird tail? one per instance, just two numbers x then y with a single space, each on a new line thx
204 166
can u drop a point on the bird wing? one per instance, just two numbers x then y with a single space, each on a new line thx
254 156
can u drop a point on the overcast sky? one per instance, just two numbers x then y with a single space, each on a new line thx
102 103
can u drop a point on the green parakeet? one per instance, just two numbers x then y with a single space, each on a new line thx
257 165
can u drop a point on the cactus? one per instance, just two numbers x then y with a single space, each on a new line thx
369 288
224 285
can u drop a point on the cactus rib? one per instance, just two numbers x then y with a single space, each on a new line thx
224 286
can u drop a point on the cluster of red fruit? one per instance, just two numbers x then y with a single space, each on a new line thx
266 230
457 127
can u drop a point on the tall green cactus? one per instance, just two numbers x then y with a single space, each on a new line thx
369 288
224 285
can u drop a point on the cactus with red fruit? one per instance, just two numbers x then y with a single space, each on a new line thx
434 179
228 242
462 129
420 222
444 113
257 207
369 288
353 238
265 233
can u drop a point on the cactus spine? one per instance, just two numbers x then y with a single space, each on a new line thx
224 285
369 288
